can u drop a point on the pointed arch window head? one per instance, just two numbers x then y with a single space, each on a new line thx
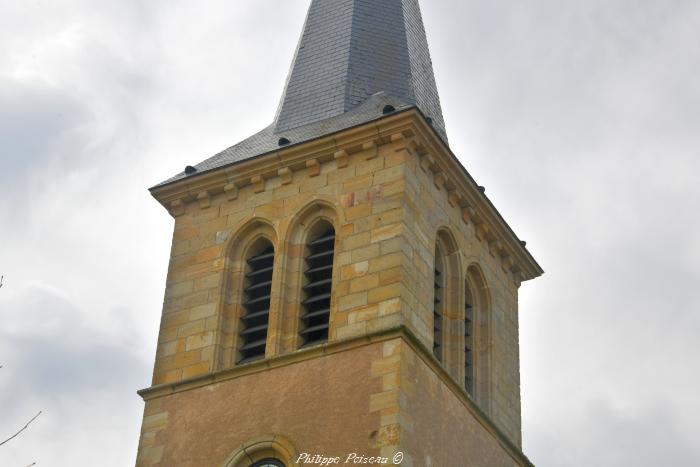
256 302
318 280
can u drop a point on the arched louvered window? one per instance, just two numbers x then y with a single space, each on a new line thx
469 340
256 302
316 303
438 287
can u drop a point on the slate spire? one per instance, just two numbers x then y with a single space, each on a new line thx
354 58
352 49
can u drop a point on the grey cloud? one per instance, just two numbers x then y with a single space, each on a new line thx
51 353
56 362
35 121
608 437
582 119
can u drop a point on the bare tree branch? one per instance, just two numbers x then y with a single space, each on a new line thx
30 465
2 278
23 428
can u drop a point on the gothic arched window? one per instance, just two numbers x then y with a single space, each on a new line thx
477 338
446 302
257 290
317 288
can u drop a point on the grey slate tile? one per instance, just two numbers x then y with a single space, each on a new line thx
353 58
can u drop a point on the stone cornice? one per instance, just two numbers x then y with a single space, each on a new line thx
463 192
401 332
436 159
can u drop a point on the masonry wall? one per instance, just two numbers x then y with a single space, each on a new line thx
330 404
372 399
366 191
429 210
388 207
434 416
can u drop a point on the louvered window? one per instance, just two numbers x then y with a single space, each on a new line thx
469 345
316 306
437 314
256 303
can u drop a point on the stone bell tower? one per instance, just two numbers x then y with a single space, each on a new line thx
339 286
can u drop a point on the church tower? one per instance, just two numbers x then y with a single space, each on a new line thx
339 285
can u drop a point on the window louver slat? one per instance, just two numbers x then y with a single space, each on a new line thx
255 330
311 330
259 344
315 315
318 283
323 254
258 289
259 272
261 299
259 258
309 316
328 267
255 316
258 286
317 298
325 239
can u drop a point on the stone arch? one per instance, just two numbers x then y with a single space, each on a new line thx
264 447
448 263
476 288
249 238
308 221
318 208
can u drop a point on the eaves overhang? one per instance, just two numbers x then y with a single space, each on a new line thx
435 155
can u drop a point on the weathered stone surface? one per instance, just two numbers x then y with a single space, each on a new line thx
387 212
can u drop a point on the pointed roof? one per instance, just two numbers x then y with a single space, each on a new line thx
353 58
352 49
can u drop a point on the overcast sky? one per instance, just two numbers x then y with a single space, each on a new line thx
582 119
